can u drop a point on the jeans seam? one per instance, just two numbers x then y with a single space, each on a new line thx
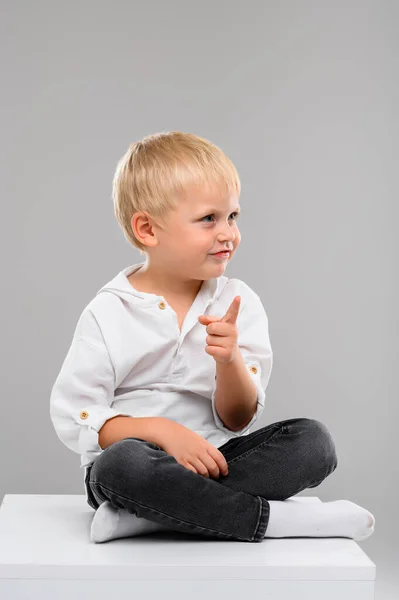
256 434
263 519
259 518
256 448
168 516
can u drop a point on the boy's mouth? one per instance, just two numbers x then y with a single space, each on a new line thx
225 254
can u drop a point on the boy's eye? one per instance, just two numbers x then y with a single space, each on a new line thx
236 215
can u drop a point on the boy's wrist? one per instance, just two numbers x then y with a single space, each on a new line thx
157 428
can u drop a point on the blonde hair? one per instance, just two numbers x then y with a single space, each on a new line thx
157 171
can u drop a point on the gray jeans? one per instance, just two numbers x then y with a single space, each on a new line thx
272 463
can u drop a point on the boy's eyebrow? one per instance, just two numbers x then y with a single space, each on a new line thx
215 210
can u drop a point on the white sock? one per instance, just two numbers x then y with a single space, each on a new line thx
288 518
110 523
340 518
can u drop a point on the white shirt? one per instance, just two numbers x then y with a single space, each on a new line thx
128 357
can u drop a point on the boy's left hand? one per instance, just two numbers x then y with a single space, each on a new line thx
223 333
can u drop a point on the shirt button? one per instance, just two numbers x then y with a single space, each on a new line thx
84 414
162 305
253 369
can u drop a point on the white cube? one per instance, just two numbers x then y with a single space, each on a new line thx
46 553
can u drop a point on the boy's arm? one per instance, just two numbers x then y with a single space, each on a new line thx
119 428
81 397
239 408
236 394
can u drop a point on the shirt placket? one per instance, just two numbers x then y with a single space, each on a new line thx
198 307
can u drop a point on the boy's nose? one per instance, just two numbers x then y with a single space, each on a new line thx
226 234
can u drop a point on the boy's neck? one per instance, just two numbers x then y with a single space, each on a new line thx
144 281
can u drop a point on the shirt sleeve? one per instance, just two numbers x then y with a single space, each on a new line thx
255 347
82 395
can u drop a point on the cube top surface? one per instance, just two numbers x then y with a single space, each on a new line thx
49 536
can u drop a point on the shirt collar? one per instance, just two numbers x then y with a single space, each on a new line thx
120 285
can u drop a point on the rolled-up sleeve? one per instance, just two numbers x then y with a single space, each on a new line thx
255 347
81 397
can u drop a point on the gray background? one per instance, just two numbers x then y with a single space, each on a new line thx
303 97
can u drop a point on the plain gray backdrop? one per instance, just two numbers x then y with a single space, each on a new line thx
303 97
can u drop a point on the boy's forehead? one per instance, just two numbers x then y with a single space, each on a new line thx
208 199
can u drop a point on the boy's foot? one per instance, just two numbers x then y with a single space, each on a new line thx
110 523
340 518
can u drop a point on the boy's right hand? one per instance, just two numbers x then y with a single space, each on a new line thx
191 450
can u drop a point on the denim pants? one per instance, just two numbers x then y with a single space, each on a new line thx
272 463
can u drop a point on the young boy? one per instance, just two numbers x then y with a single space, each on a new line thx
167 371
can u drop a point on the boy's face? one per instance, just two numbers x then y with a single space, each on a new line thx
202 225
